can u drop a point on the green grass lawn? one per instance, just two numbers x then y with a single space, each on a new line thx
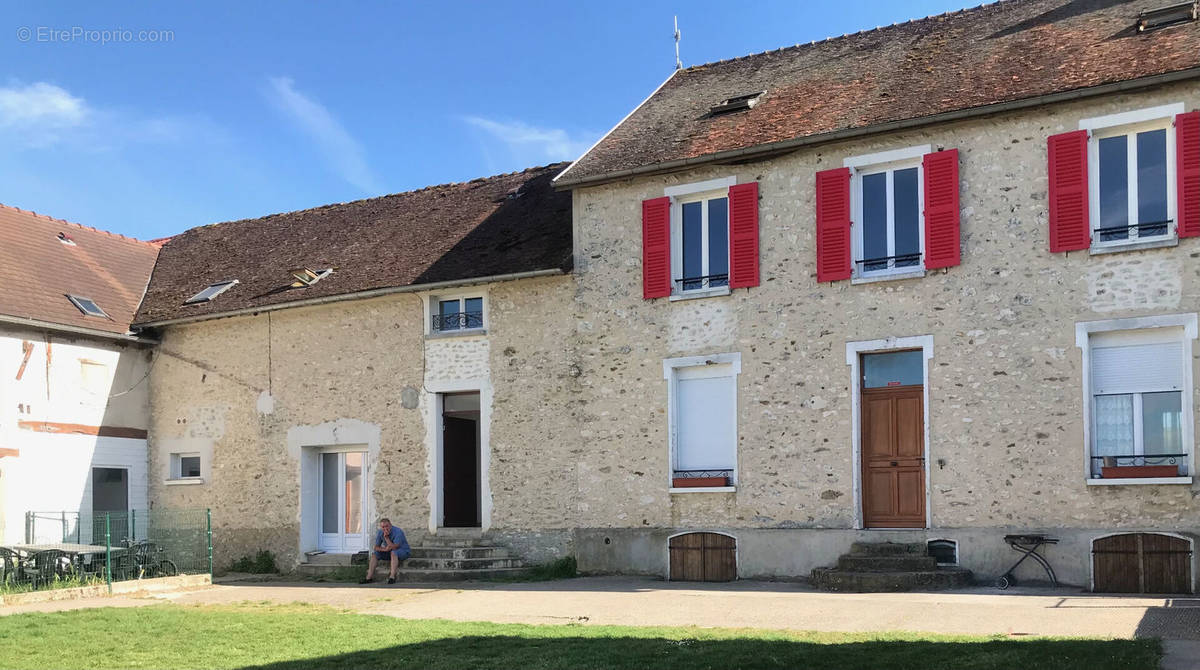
300 636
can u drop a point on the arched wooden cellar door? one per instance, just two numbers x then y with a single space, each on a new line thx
1142 563
703 557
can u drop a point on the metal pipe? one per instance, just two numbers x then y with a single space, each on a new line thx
764 150
360 295
47 325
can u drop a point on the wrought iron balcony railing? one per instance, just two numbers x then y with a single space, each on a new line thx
1135 460
1147 229
457 321
708 281
888 262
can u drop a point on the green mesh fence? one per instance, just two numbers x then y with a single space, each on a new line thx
68 548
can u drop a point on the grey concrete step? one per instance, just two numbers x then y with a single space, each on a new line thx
426 551
886 563
453 541
461 563
414 575
328 559
889 548
833 579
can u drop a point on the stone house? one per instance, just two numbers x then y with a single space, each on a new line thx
384 357
929 283
933 282
74 405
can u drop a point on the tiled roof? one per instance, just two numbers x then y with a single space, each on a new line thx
999 53
499 225
38 270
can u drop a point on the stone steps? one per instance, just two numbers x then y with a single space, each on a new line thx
451 555
833 579
461 563
888 566
427 551
420 576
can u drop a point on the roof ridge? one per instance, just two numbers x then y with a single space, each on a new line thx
833 38
77 225
430 187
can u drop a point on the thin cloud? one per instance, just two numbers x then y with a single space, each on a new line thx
347 155
531 144
41 112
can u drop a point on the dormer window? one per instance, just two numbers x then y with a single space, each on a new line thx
87 306
211 292
735 104
66 239
1163 17
306 277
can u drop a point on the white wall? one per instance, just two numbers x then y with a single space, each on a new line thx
67 381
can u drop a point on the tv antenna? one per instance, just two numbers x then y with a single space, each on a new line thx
678 63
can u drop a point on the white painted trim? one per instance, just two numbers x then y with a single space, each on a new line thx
1195 565
1083 334
719 184
1135 116
854 350
1127 481
433 445
183 482
610 130
703 489
886 162
671 366
737 549
905 154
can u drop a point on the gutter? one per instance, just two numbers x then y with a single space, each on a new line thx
360 295
75 330
763 150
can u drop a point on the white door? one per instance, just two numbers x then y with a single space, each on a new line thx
343 501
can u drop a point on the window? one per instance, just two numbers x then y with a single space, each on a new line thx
700 237
185 466
1131 172
456 314
945 551
702 401
886 198
211 292
87 306
1139 398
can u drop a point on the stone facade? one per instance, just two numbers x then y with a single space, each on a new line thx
1004 382
251 393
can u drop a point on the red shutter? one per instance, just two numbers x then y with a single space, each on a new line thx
833 224
656 248
743 235
1187 172
1068 172
941 210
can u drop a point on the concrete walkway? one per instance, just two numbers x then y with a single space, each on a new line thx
648 602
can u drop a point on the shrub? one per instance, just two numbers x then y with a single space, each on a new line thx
263 563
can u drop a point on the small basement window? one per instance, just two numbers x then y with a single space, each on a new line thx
211 292
945 551
87 306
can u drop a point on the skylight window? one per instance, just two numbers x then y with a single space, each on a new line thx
211 292
306 277
1163 17
736 103
87 306
66 239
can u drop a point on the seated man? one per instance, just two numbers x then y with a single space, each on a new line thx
391 544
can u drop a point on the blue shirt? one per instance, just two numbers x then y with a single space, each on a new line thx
396 536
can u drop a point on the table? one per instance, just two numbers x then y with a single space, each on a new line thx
75 552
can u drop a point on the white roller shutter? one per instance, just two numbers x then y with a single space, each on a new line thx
1137 368
706 433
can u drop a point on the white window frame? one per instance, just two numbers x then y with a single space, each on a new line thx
889 162
177 466
78 301
671 370
1083 339
695 192
1131 123
433 306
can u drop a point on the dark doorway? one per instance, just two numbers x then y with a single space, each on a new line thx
110 504
460 460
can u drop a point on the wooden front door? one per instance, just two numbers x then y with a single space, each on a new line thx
1142 563
703 557
893 457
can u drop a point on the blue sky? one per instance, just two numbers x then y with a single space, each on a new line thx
240 109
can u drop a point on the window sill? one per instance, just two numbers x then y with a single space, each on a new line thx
700 293
184 481
1100 250
1135 481
871 279
702 489
465 332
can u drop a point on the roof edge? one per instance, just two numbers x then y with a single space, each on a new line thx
54 219
358 295
618 125
763 150
6 319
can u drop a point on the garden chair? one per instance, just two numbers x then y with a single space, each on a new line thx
11 567
46 566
